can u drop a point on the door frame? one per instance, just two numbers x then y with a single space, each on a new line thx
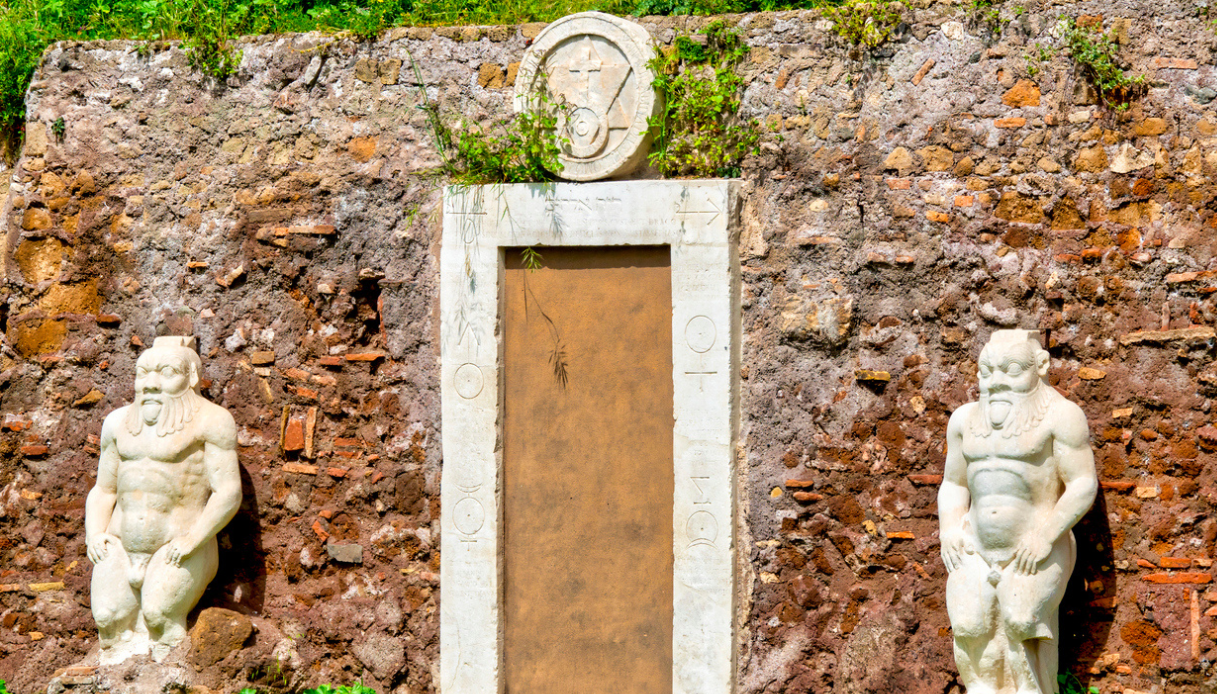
698 220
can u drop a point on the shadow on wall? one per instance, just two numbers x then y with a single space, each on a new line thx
1087 615
240 583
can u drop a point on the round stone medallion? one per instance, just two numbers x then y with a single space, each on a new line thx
595 64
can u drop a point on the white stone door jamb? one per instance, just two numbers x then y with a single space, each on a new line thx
697 219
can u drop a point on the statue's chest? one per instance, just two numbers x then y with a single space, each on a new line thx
172 448
1032 446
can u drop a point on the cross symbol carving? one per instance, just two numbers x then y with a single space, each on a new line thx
582 70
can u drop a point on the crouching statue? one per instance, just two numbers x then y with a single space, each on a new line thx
1019 475
167 482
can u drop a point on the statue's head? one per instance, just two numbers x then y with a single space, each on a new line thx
1012 365
167 375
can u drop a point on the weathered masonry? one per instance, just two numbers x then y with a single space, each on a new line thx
821 318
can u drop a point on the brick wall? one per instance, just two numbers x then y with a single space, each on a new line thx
917 199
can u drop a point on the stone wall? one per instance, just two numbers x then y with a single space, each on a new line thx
917 199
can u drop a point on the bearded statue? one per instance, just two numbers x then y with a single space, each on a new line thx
167 483
1019 475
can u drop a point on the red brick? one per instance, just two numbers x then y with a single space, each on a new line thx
293 435
936 216
337 471
1010 122
1175 562
1118 485
365 356
321 533
262 358
900 535
300 468
1175 63
1186 577
899 183
330 361
297 374
34 451
925 70
307 393
808 497
925 479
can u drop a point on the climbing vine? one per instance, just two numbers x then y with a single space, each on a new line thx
865 23
1097 54
699 131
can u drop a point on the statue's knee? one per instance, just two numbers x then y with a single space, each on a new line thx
106 616
970 629
969 618
1021 626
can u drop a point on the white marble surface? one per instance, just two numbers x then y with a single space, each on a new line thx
596 64
167 482
696 218
1019 475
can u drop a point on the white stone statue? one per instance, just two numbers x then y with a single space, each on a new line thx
167 482
1019 475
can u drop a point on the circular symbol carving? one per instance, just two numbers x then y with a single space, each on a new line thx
468 515
702 528
595 65
700 334
468 381
587 133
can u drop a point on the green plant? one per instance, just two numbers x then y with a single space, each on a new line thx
866 23
1098 56
531 258
207 48
3 689
517 149
1036 59
988 14
59 128
699 131
1071 685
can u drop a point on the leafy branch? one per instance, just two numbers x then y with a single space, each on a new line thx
1098 56
699 131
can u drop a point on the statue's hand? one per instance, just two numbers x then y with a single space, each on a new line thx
1031 550
955 544
98 546
179 549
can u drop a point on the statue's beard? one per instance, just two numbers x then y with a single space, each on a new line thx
1009 412
169 414
1000 405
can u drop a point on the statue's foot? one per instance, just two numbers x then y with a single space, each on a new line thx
129 646
160 651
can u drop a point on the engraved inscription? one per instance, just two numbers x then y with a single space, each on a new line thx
702 499
468 381
700 334
701 378
702 529
468 515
